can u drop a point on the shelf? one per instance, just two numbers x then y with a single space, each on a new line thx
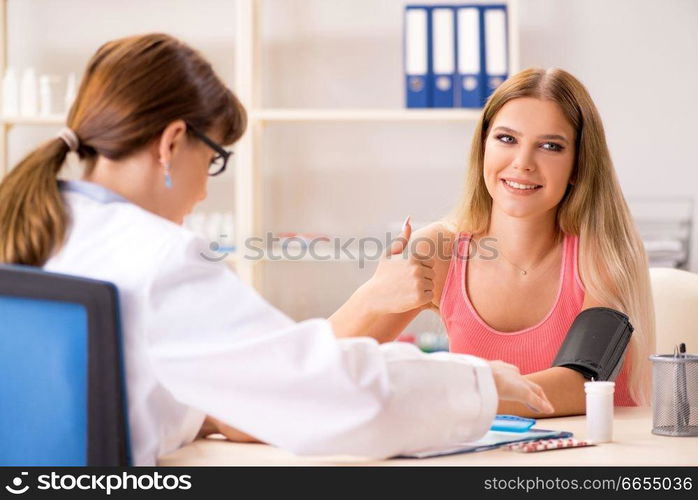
234 258
248 81
311 115
322 253
365 115
33 120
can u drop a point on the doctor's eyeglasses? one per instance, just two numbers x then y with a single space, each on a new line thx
220 161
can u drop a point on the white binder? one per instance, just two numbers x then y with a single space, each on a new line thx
443 43
469 81
417 89
496 56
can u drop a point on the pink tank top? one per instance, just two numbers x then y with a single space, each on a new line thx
531 349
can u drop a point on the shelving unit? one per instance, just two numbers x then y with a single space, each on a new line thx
328 257
365 115
247 86
9 121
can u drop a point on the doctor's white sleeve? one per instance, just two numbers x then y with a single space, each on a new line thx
217 346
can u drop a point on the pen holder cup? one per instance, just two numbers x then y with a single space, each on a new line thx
675 395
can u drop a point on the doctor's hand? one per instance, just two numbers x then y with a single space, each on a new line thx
512 386
402 282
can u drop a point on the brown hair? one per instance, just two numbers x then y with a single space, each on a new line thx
612 260
132 89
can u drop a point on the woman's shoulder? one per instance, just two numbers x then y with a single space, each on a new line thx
126 220
134 234
125 245
435 240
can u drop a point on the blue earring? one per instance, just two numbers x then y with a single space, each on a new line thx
168 178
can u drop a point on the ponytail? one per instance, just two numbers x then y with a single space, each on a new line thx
33 217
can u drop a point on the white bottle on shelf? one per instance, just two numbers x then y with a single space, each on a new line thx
213 227
195 223
71 86
29 98
45 96
228 230
10 93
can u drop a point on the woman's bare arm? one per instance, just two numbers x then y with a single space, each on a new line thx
215 426
357 318
563 387
360 316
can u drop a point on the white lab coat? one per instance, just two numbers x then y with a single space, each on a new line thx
198 341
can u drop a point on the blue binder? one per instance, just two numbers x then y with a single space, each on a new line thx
443 57
470 78
496 53
417 56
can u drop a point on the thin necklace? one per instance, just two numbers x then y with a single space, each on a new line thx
524 272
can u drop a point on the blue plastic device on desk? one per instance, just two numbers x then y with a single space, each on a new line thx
511 423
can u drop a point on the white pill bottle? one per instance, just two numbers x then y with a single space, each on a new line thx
599 401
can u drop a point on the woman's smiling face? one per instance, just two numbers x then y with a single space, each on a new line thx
529 157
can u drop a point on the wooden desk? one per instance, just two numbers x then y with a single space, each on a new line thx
633 444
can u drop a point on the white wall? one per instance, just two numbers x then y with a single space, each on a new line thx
638 60
637 57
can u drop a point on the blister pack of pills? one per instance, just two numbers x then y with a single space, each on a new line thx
548 444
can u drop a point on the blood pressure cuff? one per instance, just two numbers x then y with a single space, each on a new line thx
595 343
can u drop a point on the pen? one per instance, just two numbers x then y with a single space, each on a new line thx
685 408
677 390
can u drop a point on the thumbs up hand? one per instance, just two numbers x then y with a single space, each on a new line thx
398 245
402 282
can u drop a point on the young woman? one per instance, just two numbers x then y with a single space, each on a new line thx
542 233
148 122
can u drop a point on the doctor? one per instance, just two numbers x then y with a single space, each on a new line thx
147 123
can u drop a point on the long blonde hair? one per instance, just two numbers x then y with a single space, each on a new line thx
612 261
